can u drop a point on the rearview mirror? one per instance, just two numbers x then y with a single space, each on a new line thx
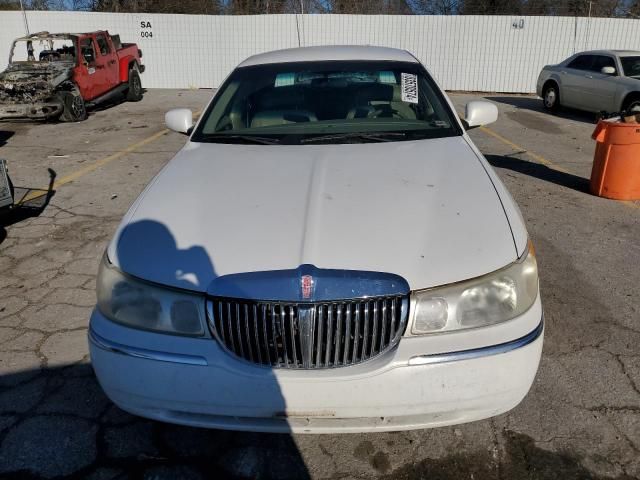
480 112
179 120
608 70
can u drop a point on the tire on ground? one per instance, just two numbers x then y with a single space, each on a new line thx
632 103
134 92
74 109
551 97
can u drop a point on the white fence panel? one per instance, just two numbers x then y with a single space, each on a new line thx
184 51
475 53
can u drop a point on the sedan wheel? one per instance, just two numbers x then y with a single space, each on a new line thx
550 97
634 107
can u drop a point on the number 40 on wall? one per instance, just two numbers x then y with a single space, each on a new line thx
146 31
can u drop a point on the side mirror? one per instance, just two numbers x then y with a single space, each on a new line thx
479 112
608 70
179 120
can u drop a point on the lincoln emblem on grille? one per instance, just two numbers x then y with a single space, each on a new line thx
306 284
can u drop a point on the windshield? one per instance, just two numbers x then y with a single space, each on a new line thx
43 50
330 102
631 66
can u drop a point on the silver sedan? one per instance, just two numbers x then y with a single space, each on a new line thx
595 81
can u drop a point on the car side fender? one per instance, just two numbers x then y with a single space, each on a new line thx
556 77
125 62
625 87
547 73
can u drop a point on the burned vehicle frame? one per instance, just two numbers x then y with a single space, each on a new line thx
60 75
32 88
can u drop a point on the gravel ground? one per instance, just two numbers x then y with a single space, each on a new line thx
581 419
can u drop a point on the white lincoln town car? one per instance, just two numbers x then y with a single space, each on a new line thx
329 252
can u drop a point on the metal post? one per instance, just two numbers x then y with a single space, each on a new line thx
301 23
586 37
24 17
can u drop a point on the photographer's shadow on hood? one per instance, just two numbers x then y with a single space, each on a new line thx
147 249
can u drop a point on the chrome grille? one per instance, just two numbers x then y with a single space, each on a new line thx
308 335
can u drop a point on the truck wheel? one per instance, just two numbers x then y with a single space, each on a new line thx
74 109
134 93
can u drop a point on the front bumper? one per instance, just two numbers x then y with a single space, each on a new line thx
34 111
194 382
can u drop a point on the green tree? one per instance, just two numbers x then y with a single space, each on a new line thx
434 7
9 5
205 7
491 7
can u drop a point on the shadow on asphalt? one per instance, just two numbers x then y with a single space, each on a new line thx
542 172
28 203
535 105
524 460
58 423
114 102
5 135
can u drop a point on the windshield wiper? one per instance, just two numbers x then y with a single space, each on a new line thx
241 138
374 136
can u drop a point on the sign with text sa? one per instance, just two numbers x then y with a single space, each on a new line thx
146 29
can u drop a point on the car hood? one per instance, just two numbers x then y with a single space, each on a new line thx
425 210
52 72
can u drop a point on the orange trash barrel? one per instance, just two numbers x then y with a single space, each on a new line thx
616 164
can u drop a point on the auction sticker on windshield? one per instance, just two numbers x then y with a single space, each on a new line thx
409 86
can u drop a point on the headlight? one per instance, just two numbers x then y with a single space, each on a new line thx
493 298
146 306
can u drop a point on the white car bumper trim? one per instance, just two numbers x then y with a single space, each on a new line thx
479 352
115 347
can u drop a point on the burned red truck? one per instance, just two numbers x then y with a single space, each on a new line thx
60 75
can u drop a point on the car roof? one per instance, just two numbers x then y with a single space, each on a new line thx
334 52
620 53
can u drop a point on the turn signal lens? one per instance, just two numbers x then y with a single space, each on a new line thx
431 315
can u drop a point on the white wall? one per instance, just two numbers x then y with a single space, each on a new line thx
475 53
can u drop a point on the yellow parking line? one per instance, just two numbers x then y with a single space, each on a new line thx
541 159
97 164
515 146
101 162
